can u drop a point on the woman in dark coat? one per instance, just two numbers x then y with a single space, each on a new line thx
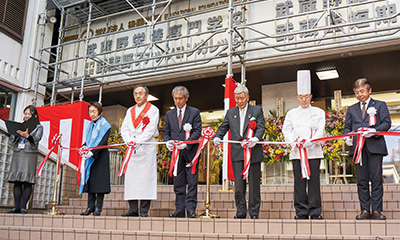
97 161
23 164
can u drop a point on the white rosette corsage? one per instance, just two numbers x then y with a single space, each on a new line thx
187 128
372 115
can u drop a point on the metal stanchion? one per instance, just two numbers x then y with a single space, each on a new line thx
207 213
53 210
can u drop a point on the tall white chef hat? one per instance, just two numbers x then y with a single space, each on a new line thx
303 82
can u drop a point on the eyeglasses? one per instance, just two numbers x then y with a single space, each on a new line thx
304 97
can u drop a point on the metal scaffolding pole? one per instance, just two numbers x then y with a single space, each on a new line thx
85 59
58 56
230 39
42 17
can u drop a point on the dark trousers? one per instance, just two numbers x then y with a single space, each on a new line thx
185 199
307 203
240 189
370 171
95 200
144 206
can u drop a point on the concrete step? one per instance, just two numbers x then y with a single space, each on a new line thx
219 226
265 213
269 204
44 233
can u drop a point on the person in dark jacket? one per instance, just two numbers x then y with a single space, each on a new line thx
96 175
371 115
24 159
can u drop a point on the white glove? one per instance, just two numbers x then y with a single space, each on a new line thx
217 141
367 133
181 146
252 142
348 141
88 155
170 145
307 143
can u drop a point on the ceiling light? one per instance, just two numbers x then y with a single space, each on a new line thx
326 75
151 98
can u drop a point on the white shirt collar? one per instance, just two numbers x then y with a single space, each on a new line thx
183 109
367 102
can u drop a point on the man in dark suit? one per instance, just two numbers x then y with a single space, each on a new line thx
180 122
370 167
237 120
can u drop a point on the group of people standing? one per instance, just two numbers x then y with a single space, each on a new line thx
183 123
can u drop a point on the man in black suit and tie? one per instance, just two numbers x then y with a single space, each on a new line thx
183 123
237 120
373 115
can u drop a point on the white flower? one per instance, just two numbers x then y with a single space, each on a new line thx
187 127
371 111
252 119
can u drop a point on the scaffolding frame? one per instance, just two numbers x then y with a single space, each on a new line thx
234 53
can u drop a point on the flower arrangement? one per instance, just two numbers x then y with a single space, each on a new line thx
334 125
163 158
273 132
116 138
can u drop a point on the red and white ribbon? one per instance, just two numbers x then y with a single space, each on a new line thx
131 147
304 164
247 157
207 134
81 166
173 170
247 149
55 142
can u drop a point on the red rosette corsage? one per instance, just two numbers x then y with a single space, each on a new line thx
252 125
145 121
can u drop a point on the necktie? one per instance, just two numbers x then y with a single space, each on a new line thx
180 118
363 108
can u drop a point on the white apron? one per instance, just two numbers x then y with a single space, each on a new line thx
141 174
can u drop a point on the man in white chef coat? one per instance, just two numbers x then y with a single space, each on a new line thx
140 125
301 125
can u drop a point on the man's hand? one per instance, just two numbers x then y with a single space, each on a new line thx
217 141
170 145
252 142
307 143
368 134
181 146
348 141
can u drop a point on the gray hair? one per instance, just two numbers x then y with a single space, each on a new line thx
361 83
180 90
241 88
146 90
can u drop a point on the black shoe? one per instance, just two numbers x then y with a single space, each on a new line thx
130 214
177 215
254 217
97 211
15 210
298 217
317 217
191 214
239 217
24 211
144 214
87 212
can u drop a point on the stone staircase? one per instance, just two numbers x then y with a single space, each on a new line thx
340 206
